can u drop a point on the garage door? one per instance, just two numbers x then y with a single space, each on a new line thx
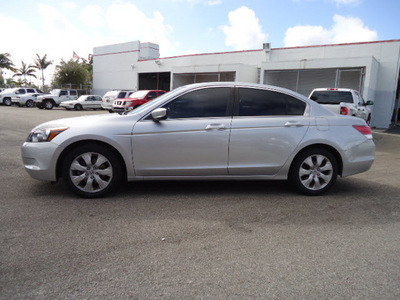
304 81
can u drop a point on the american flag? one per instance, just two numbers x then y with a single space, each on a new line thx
74 55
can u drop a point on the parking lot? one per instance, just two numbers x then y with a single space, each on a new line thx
196 240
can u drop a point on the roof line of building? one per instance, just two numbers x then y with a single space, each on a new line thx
283 48
334 45
202 54
112 53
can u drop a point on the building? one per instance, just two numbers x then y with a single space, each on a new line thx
373 68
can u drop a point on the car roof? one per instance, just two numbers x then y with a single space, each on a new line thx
333 89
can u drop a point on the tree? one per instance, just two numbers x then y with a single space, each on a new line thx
42 63
5 62
71 72
25 70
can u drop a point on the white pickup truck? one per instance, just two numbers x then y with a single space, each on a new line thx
344 102
48 101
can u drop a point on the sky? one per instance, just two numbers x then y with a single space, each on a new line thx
58 28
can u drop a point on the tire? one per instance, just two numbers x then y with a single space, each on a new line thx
110 111
78 107
7 101
369 120
92 170
313 171
29 103
48 104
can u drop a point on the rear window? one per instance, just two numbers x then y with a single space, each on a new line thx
331 97
121 95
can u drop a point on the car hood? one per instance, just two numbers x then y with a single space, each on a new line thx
81 122
69 102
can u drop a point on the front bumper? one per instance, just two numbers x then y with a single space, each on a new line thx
40 160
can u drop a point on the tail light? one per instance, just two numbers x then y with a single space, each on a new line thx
344 110
365 130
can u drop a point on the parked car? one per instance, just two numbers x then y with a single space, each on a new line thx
135 100
224 130
344 102
6 95
55 98
83 102
110 96
27 100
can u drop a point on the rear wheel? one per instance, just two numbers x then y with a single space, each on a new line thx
314 171
369 120
92 170
29 103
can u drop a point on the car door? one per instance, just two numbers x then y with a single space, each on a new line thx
266 128
63 96
362 111
192 141
97 102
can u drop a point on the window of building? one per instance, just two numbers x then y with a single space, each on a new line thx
182 79
304 81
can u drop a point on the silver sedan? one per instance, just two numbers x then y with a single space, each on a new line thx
204 131
83 102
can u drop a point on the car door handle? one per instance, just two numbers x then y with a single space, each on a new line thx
293 124
215 127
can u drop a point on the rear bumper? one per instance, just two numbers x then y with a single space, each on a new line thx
358 158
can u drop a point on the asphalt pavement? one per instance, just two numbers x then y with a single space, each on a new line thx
196 240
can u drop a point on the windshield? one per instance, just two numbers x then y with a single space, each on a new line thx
9 90
54 92
332 97
82 98
111 93
139 94
158 99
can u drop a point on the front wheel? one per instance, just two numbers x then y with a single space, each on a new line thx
78 107
48 104
7 101
92 170
314 171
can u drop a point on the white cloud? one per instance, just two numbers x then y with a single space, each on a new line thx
344 30
69 5
244 30
204 2
347 2
93 16
130 23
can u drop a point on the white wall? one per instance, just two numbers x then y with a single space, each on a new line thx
118 66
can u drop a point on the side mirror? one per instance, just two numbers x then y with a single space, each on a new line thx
159 114
369 102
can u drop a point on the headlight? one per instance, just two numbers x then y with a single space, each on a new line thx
44 135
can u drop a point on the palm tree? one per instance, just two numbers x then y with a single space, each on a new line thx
25 70
42 63
5 62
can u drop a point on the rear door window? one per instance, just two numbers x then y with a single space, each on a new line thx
255 102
